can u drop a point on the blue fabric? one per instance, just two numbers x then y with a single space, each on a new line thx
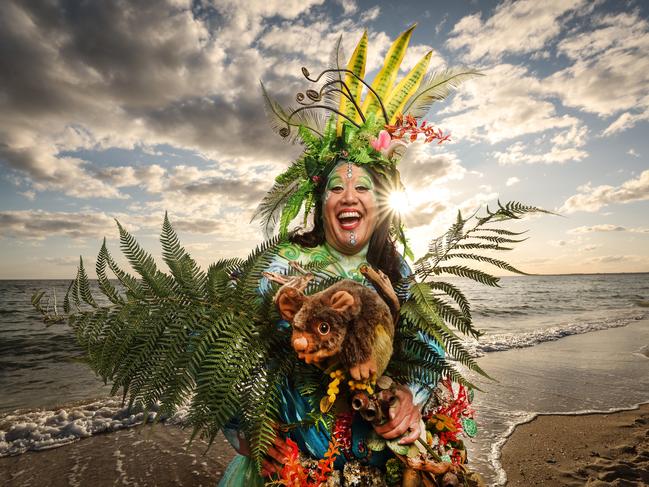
294 407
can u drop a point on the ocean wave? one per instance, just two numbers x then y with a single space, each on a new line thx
44 429
507 341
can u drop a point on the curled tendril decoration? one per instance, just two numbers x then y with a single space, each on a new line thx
307 75
317 96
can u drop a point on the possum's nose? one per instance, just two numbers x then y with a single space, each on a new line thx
300 344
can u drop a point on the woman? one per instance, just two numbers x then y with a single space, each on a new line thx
351 229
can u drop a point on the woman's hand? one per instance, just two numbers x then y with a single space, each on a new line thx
275 458
404 416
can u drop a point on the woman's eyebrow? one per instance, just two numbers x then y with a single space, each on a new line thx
334 180
366 181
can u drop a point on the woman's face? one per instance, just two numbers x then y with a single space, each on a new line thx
349 208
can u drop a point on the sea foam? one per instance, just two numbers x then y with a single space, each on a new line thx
506 341
45 429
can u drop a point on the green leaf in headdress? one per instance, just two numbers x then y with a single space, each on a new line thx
293 205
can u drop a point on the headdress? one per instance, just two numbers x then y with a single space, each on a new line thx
334 124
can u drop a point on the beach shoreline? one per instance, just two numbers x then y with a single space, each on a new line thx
594 449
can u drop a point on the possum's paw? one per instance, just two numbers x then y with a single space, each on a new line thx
363 371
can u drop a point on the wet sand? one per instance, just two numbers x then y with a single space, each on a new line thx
559 450
594 449
150 456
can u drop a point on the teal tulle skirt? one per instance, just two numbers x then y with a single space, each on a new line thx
242 472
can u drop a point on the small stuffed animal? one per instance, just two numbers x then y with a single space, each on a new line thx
347 322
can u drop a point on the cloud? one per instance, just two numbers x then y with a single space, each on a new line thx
609 72
349 6
591 198
632 153
613 259
506 103
68 261
39 224
514 28
520 153
625 121
370 15
154 73
589 248
606 228
565 146
512 181
597 228
421 166
424 213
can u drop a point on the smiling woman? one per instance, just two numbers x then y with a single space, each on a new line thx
224 341
350 212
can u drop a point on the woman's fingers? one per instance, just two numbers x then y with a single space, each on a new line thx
398 429
275 457
413 432
269 468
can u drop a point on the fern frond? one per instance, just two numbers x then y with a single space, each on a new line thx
483 258
436 87
84 286
143 263
464 271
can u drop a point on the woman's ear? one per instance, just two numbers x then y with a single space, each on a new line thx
289 302
341 301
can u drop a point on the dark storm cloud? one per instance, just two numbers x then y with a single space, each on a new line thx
129 72
234 190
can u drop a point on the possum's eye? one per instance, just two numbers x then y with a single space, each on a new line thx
323 328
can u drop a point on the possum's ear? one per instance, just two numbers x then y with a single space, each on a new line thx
289 303
341 301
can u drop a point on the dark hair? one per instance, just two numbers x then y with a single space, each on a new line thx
381 253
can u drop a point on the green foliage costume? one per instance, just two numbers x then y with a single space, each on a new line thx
209 340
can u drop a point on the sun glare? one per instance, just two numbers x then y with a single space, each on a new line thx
399 202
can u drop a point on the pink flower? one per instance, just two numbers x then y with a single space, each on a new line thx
383 142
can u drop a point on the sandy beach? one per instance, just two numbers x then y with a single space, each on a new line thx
150 456
591 449
561 450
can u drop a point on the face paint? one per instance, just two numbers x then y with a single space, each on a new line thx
349 208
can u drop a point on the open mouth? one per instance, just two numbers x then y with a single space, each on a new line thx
349 219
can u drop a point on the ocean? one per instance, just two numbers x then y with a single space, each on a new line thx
552 344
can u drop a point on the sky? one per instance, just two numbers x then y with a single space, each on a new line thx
124 110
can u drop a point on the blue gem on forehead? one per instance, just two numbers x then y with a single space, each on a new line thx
349 170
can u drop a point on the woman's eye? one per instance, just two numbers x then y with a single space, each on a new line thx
336 189
323 328
362 189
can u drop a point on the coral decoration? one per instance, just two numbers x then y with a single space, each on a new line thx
293 474
342 433
445 421
408 129
326 465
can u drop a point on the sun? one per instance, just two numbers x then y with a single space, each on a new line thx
399 202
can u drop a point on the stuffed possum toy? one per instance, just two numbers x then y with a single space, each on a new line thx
347 322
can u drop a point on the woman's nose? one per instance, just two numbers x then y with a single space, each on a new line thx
349 194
